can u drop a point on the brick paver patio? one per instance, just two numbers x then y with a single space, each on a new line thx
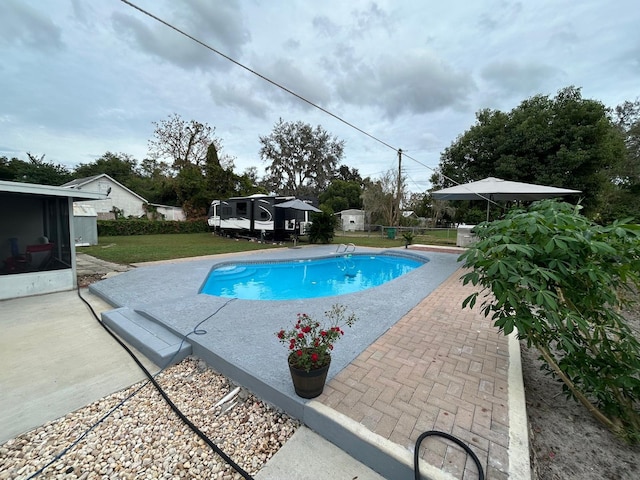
439 368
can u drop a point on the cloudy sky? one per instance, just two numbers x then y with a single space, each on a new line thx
80 78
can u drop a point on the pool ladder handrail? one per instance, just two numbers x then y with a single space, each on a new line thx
346 248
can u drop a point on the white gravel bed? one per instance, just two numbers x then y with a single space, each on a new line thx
144 438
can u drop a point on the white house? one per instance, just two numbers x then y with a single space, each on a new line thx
352 220
128 202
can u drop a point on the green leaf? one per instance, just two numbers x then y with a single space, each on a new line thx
549 246
470 301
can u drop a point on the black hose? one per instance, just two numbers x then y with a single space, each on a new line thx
164 395
416 453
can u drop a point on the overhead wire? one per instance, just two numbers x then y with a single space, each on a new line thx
289 91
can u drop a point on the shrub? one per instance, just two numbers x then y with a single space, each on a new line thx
560 280
322 227
112 228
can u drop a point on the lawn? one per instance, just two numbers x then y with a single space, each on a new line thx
147 248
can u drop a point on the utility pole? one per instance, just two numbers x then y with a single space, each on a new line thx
399 191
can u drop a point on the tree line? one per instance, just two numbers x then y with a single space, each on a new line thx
563 141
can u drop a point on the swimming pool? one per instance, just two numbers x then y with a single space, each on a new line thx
306 278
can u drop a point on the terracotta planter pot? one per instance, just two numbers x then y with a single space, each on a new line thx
309 384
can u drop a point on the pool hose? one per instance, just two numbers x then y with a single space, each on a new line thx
416 453
164 395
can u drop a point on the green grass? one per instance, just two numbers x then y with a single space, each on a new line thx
441 236
148 248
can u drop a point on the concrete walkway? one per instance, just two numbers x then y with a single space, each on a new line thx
55 359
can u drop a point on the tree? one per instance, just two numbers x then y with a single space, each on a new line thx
622 198
182 143
342 195
36 170
303 159
119 166
565 141
560 280
379 199
221 182
191 188
154 182
349 175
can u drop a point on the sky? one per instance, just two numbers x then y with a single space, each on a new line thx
79 79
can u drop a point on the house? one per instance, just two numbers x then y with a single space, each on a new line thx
352 220
119 198
37 238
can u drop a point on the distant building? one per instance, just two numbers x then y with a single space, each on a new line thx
352 220
119 197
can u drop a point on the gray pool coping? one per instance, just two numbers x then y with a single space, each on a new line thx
237 337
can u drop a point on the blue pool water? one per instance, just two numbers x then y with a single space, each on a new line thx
306 278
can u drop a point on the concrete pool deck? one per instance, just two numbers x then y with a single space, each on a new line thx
414 361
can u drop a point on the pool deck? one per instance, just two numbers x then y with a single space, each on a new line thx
414 361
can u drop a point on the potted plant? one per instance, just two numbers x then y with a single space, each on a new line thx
310 343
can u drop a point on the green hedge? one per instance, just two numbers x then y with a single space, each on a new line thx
112 228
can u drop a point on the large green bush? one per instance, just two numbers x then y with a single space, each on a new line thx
322 227
114 228
561 280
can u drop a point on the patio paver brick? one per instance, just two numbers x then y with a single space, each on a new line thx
439 368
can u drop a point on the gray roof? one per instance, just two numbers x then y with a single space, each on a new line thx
81 181
48 190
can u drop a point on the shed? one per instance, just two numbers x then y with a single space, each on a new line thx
85 224
352 220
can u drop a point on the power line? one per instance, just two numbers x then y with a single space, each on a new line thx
289 91
272 82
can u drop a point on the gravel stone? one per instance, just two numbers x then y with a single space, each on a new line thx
143 438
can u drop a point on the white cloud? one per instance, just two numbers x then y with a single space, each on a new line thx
80 78
516 78
27 26
215 24
415 83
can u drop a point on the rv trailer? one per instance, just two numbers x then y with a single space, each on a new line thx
257 216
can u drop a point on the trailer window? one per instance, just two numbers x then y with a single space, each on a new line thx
241 208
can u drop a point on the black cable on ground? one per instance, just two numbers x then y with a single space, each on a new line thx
160 390
457 441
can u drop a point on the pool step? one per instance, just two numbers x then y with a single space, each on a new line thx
148 336
235 274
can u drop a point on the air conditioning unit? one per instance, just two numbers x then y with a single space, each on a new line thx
465 236
304 227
